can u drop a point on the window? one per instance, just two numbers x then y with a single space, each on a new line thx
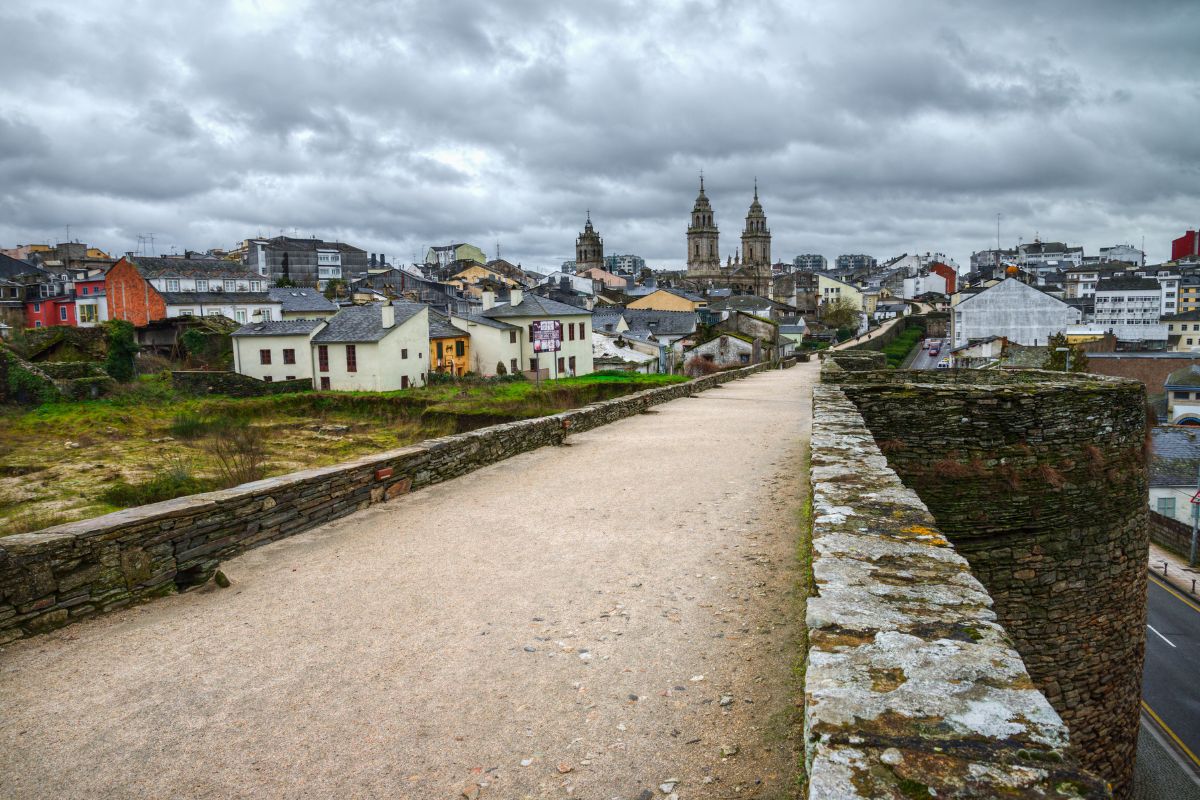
229 286
84 291
256 286
267 378
439 350
571 331
1181 395
201 285
329 258
37 307
266 314
173 285
264 356
1166 506
329 272
290 378
240 315
62 313
404 352
533 364
351 358
325 382
460 348
37 323
562 365
323 359
88 314
571 364
582 330
289 356
512 335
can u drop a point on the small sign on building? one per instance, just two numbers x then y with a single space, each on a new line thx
546 335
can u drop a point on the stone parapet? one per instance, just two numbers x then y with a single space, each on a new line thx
912 688
56 576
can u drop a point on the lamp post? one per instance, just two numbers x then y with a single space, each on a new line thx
1066 350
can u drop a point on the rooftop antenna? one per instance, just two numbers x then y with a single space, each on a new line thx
497 252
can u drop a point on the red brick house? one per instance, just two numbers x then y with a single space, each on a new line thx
141 289
130 296
948 272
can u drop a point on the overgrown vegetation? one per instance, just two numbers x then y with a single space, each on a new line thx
122 347
1058 349
899 348
63 461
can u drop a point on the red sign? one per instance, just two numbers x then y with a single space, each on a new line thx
546 335
1196 498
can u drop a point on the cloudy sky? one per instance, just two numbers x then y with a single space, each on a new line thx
878 127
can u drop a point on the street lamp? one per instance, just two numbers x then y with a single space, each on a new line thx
1066 350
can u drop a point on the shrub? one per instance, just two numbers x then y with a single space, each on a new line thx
241 454
697 367
122 347
189 425
173 479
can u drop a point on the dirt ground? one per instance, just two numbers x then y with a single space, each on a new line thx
616 618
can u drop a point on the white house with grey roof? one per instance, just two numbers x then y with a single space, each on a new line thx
375 348
500 335
1011 309
275 351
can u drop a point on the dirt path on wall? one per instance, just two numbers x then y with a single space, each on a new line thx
590 621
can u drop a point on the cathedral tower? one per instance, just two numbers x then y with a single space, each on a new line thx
704 255
756 238
589 248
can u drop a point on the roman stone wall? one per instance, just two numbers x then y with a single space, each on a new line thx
1039 479
56 576
234 384
912 688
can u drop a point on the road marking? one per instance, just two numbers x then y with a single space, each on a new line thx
1185 600
1167 730
1159 635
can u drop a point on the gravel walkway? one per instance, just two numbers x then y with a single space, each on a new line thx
589 621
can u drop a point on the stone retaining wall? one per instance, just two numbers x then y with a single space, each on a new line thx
912 689
1039 479
234 384
56 576
1170 534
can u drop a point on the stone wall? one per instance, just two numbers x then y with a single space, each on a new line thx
233 384
911 688
1039 479
1170 534
56 576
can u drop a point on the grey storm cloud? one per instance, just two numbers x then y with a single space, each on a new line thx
872 126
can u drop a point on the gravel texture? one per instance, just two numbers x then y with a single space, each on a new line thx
563 623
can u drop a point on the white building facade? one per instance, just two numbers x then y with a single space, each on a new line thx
1011 309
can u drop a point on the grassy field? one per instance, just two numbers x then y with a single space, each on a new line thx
66 461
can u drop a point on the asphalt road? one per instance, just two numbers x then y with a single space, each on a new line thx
922 359
1169 683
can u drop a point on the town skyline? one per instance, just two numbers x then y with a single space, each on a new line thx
875 129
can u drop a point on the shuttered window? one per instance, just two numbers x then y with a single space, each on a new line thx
351 358
323 360
264 356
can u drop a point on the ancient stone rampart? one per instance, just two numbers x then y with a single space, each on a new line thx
912 688
56 576
1039 480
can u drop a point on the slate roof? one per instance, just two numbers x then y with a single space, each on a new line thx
364 323
601 318
1183 316
491 323
217 298
289 327
12 267
191 268
1126 283
1175 455
742 302
532 305
1187 376
440 327
301 299
289 243
664 323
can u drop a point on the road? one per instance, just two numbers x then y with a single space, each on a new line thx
567 622
922 359
1170 689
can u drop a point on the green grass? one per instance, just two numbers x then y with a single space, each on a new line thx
899 348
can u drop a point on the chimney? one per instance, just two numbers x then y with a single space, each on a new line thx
489 299
382 260
389 316
515 296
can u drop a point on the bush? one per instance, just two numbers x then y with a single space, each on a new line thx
122 347
241 452
697 367
189 425
174 479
